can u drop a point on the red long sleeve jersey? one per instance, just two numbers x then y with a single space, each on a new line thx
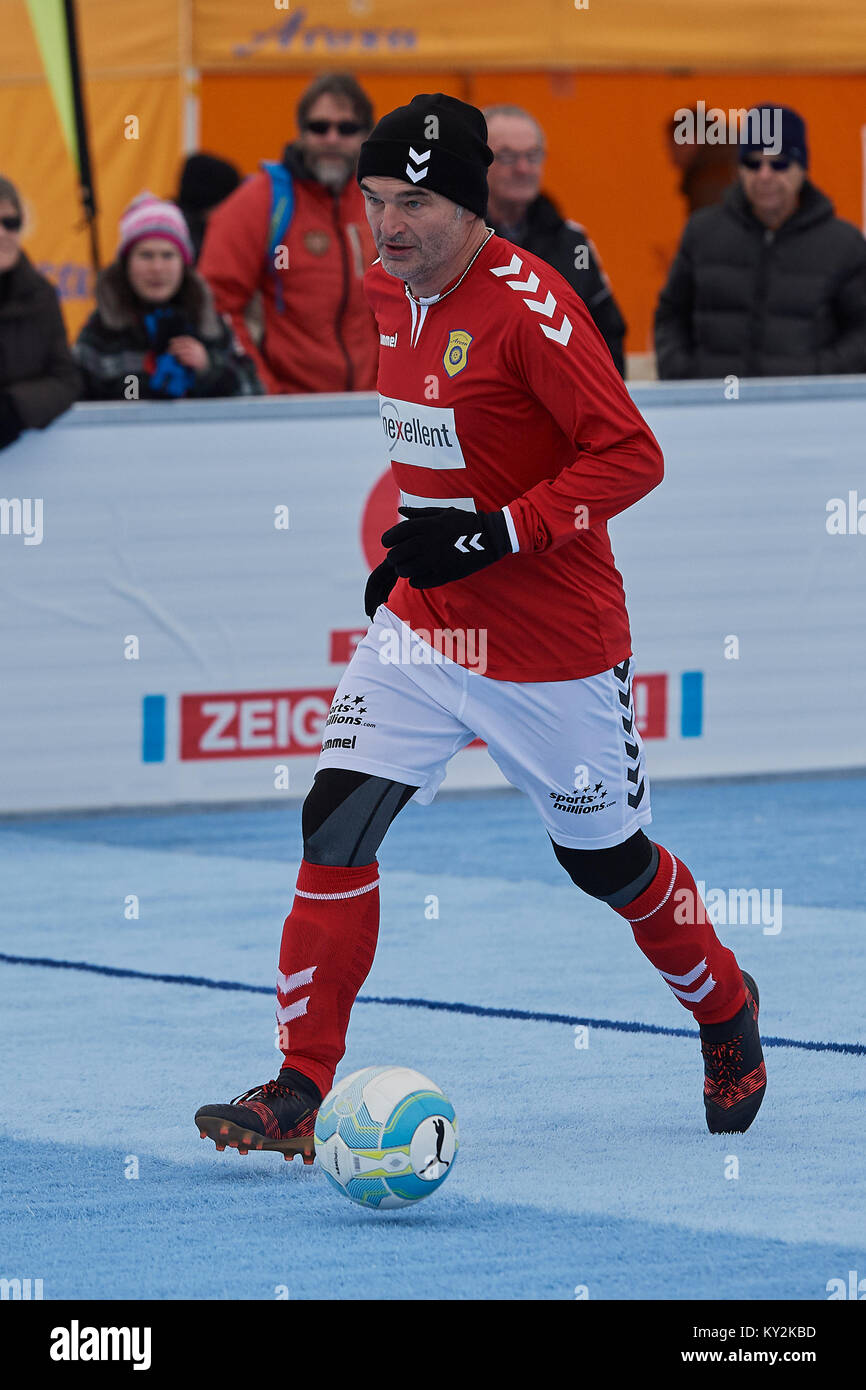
500 392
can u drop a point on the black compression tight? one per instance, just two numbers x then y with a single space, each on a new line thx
617 875
346 816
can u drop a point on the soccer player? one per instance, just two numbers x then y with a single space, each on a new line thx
498 613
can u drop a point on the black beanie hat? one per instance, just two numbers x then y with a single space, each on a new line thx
205 181
793 132
436 142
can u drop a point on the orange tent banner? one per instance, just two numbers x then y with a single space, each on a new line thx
132 62
115 39
554 34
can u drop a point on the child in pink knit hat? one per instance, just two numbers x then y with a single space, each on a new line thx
155 333
147 218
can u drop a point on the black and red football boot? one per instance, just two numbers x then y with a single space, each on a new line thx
735 1077
280 1115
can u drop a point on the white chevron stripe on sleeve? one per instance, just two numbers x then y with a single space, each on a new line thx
514 266
530 284
560 334
542 306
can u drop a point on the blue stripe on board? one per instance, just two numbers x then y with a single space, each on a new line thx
153 729
479 1010
692 705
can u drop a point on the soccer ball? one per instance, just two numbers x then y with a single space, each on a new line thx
386 1136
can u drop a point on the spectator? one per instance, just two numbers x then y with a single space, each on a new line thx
205 182
155 332
707 171
319 333
769 282
38 378
518 211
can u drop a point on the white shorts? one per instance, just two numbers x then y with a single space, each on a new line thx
402 710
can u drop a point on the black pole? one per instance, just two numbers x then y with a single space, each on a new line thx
85 173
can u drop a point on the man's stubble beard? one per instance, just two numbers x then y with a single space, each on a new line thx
435 254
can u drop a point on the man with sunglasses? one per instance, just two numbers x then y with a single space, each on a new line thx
769 282
288 250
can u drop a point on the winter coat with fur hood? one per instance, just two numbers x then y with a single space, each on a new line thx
118 355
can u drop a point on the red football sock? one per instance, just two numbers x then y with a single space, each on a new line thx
329 940
672 929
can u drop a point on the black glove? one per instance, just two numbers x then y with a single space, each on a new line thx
439 544
10 421
379 585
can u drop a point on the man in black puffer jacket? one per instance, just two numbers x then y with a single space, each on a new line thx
522 214
769 282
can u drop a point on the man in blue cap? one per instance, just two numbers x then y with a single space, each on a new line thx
769 282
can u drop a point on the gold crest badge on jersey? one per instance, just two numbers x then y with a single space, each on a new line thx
456 352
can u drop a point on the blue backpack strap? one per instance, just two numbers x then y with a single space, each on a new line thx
282 207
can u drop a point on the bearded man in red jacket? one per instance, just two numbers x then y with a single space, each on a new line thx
298 306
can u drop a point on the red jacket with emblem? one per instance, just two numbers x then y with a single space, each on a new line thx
323 337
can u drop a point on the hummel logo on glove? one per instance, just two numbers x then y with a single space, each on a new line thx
436 545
